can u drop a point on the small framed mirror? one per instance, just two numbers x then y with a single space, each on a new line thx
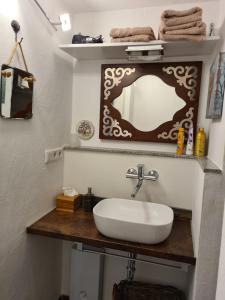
16 93
149 102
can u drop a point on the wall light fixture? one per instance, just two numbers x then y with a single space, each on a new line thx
145 53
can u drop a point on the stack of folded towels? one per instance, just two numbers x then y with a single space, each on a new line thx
135 34
182 25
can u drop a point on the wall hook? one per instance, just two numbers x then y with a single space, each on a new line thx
16 28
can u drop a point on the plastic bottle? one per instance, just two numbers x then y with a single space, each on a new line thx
200 143
189 147
180 141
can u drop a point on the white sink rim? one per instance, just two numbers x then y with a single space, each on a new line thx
133 220
162 206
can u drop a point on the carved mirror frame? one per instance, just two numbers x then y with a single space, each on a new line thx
185 77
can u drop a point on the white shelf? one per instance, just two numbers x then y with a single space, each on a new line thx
117 50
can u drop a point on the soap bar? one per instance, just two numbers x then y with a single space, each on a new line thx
67 203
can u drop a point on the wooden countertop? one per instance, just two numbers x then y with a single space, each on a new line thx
80 227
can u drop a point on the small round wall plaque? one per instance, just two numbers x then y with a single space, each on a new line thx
85 130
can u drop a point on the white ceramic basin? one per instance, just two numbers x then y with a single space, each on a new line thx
134 221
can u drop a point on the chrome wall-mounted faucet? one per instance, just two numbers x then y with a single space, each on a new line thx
141 176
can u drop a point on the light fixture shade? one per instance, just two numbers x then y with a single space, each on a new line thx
145 52
65 22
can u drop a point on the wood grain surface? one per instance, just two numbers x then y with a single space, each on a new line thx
79 226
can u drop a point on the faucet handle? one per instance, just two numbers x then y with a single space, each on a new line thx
131 173
152 175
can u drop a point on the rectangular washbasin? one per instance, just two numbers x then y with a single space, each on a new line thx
132 220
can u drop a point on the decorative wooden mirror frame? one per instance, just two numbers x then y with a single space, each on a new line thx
185 77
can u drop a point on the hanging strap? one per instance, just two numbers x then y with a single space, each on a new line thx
14 51
24 60
18 44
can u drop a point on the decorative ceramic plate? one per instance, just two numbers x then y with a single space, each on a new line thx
85 130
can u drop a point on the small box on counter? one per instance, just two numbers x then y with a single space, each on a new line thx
67 203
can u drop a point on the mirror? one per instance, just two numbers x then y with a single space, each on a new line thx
16 93
143 103
149 102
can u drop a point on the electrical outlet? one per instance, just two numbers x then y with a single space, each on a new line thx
53 154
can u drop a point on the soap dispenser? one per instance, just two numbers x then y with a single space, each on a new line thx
88 200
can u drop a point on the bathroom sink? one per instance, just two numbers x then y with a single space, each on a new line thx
134 221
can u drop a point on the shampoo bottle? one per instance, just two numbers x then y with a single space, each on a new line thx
200 143
189 147
180 142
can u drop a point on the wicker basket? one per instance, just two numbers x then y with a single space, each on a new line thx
133 290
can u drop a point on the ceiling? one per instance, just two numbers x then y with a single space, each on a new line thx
78 6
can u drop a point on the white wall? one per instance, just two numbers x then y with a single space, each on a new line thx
181 181
213 210
101 22
86 105
106 174
30 266
86 96
217 127
210 237
221 272
86 102
197 189
36 274
219 142
180 184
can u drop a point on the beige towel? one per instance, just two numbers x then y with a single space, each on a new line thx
172 37
181 26
173 17
201 30
180 13
125 32
134 38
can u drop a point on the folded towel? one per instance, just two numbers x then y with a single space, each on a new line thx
125 32
174 17
181 26
201 30
180 13
134 38
188 37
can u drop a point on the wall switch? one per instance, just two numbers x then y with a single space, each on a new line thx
53 154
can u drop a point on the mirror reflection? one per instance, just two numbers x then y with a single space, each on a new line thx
148 102
16 93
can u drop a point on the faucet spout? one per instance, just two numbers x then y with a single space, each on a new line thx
140 171
140 175
137 187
